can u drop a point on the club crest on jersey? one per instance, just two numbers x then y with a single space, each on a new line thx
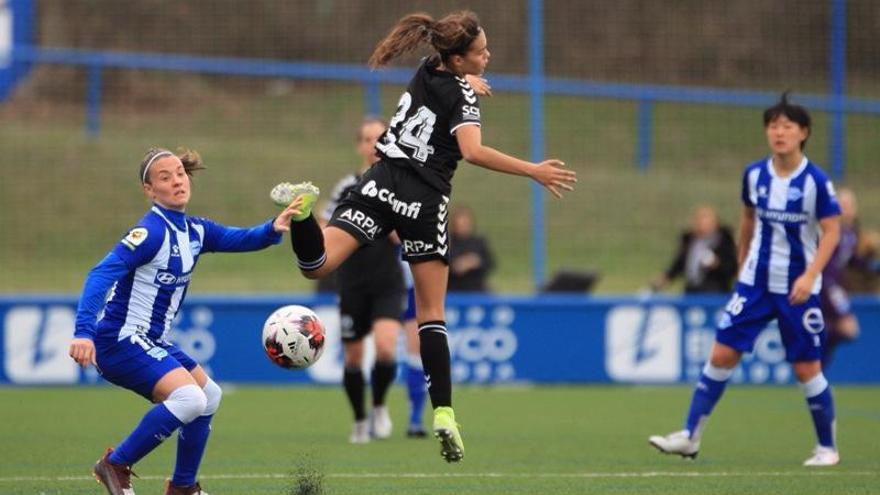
135 237
360 220
409 210
794 194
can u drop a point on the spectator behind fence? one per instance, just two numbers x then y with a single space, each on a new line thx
863 274
859 272
706 256
471 258
841 322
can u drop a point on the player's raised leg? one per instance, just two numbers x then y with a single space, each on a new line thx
430 284
318 252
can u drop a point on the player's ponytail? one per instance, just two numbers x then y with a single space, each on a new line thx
191 160
409 32
451 35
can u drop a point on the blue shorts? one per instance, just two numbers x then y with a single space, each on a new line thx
138 362
410 313
750 308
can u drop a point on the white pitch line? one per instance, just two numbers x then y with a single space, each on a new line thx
587 475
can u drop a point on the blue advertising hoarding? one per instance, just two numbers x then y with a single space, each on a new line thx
493 339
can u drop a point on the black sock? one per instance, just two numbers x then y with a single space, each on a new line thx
381 379
353 381
307 240
435 359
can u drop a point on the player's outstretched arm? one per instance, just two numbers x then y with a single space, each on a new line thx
551 174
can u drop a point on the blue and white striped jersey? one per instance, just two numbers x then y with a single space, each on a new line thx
149 270
787 214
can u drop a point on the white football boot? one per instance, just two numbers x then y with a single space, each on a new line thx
381 422
679 443
823 456
360 432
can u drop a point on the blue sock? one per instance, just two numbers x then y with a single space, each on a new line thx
415 384
191 442
821 404
157 425
708 390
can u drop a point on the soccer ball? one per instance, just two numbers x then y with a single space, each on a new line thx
293 337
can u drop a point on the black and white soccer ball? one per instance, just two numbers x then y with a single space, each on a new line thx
293 337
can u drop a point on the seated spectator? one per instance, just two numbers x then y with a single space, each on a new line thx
862 275
841 322
706 256
470 257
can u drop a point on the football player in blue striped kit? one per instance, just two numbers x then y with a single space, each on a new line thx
408 189
789 229
147 275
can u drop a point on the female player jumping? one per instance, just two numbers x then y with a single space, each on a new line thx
437 123
147 275
789 229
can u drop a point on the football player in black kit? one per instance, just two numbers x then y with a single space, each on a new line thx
372 299
437 123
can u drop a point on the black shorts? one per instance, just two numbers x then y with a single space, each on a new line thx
392 197
358 310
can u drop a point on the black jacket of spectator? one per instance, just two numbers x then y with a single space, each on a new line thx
716 278
474 279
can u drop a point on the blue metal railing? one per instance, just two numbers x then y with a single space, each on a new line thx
360 74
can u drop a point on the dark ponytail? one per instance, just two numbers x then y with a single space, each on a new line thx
451 35
191 160
409 32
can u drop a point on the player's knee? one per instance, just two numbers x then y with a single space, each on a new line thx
724 356
807 371
187 403
386 350
213 395
315 274
352 361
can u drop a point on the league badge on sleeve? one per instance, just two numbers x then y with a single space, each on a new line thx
135 238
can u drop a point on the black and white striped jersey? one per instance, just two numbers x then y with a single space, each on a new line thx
422 132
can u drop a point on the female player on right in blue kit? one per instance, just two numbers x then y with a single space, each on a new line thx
789 229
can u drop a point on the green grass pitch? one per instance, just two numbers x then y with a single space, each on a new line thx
535 440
